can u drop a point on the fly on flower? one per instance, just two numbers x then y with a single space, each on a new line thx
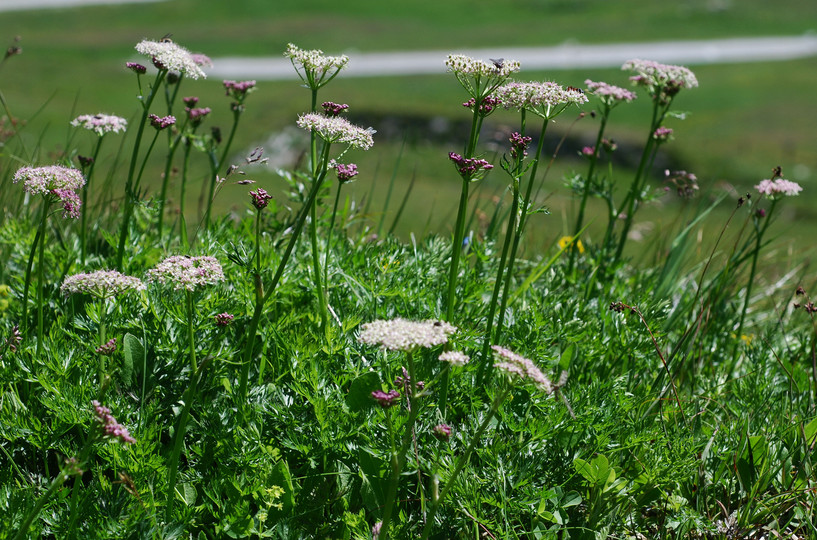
166 38
499 63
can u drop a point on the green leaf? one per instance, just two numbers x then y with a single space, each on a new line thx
189 494
359 397
282 478
134 353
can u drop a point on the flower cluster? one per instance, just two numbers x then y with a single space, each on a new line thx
101 284
170 56
44 180
345 171
486 106
442 432
519 366
187 273
337 129
402 335
137 68
161 122
468 167
662 134
519 145
224 319
201 60
108 348
110 427
663 81
566 241
608 93
777 187
14 340
465 65
197 114
71 203
239 89
260 198
312 66
455 358
330 108
100 123
545 99
386 399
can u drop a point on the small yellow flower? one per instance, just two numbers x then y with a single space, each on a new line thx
566 240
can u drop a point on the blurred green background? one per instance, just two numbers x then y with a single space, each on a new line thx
744 118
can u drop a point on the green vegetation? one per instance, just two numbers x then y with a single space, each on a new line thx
287 367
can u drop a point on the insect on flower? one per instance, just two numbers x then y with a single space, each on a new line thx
499 63
166 38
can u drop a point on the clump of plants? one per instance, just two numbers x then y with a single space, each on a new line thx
338 385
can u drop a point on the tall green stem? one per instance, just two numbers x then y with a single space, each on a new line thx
40 272
129 184
83 242
256 316
30 264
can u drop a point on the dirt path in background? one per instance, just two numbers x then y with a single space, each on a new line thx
567 56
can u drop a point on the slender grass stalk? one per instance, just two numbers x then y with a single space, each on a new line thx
38 237
173 146
130 194
83 240
257 312
41 272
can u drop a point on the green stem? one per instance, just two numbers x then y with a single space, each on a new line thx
191 332
329 239
217 165
30 265
40 272
590 170
182 192
256 316
316 266
520 229
165 182
129 183
83 223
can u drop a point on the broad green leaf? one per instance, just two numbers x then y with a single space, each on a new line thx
359 397
134 353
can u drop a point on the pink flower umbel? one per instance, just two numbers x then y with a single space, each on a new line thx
101 284
137 68
609 93
172 57
442 432
238 89
455 358
100 123
662 134
161 122
345 172
386 399
335 129
520 367
108 348
402 335
110 427
42 180
224 319
71 202
187 273
778 187
330 108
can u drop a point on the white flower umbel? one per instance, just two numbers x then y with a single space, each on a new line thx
42 180
545 99
172 57
187 273
101 284
100 123
336 129
402 335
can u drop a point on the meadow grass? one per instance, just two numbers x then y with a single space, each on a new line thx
257 382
